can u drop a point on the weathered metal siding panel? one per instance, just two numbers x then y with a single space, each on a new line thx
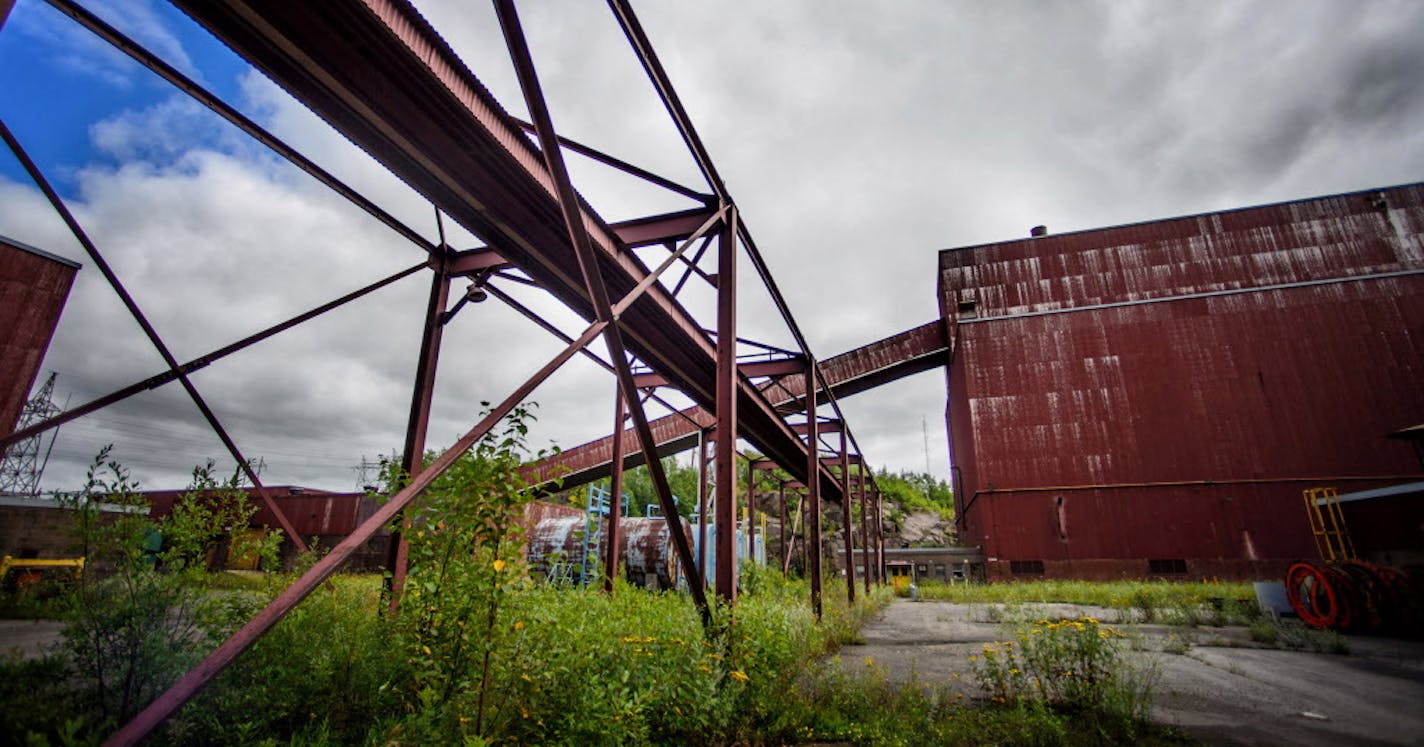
1331 237
312 512
1244 389
33 289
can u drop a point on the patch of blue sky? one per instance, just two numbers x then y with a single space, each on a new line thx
75 102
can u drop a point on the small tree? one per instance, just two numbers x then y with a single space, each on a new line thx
466 555
141 614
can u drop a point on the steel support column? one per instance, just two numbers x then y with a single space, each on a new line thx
781 502
572 213
847 506
812 545
615 500
702 503
421 396
726 412
864 525
880 536
751 513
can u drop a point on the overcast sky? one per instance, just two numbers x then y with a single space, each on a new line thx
858 139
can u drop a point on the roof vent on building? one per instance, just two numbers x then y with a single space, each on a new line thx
1037 231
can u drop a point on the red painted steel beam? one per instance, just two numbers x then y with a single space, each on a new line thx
473 261
813 500
865 522
825 426
701 503
190 684
751 370
187 85
594 283
421 396
638 39
909 352
202 361
615 498
381 75
847 507
726 430
661 229
148 330
626 167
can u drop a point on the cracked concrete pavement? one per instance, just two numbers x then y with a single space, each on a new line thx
1213 682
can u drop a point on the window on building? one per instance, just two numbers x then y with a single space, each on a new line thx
968 309
1026 567
1167 567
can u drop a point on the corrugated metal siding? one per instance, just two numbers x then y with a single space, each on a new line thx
312 512
33 289
1283 382
1253 247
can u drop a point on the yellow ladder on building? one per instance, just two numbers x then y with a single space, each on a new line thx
1327 523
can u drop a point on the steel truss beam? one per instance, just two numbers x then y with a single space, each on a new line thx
383 77
578 235
148 330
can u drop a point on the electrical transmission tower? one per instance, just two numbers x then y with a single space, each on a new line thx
21 467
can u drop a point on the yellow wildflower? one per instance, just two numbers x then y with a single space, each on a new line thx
499 566
739 676
518 624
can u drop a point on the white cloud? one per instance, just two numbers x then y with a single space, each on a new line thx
857 138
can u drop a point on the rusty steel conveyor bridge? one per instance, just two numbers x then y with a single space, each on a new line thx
378 73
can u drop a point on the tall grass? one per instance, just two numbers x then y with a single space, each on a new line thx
1168 602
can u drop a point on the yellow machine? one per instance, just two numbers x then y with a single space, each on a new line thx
29 570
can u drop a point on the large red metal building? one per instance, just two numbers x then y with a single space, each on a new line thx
1152 399
33 287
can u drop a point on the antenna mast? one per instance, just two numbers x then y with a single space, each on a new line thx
20 468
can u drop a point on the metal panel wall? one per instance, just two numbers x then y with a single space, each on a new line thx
1279 347
33 289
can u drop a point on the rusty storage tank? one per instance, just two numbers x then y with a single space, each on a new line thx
1151 399
34 285
558 552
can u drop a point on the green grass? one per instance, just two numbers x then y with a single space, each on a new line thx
570 667
1169 602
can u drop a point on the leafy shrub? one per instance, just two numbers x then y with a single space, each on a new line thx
141 614
1074 664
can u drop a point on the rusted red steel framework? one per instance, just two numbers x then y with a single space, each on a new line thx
379 74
